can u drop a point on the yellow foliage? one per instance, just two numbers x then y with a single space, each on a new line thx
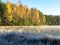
35 15
29 13
9 11
9 7
10 18
44 19
21 11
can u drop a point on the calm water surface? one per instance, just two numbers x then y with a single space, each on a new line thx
30 35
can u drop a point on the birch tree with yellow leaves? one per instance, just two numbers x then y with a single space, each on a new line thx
8 13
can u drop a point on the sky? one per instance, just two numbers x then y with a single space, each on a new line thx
49 7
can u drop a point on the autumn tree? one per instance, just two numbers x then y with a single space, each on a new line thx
8 13
44 19
35 16
19 14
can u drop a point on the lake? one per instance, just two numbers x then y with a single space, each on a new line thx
29 35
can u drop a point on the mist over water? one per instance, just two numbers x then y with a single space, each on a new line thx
30 35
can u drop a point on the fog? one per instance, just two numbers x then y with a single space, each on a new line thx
30 35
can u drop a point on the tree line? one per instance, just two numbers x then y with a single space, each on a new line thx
19 15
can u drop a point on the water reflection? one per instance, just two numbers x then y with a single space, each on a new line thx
36 35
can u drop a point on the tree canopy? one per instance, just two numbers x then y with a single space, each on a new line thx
13 14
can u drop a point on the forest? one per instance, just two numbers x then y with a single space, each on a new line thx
20 15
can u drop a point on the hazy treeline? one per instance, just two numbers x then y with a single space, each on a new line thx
19 14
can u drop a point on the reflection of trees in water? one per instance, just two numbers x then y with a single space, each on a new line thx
19 39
